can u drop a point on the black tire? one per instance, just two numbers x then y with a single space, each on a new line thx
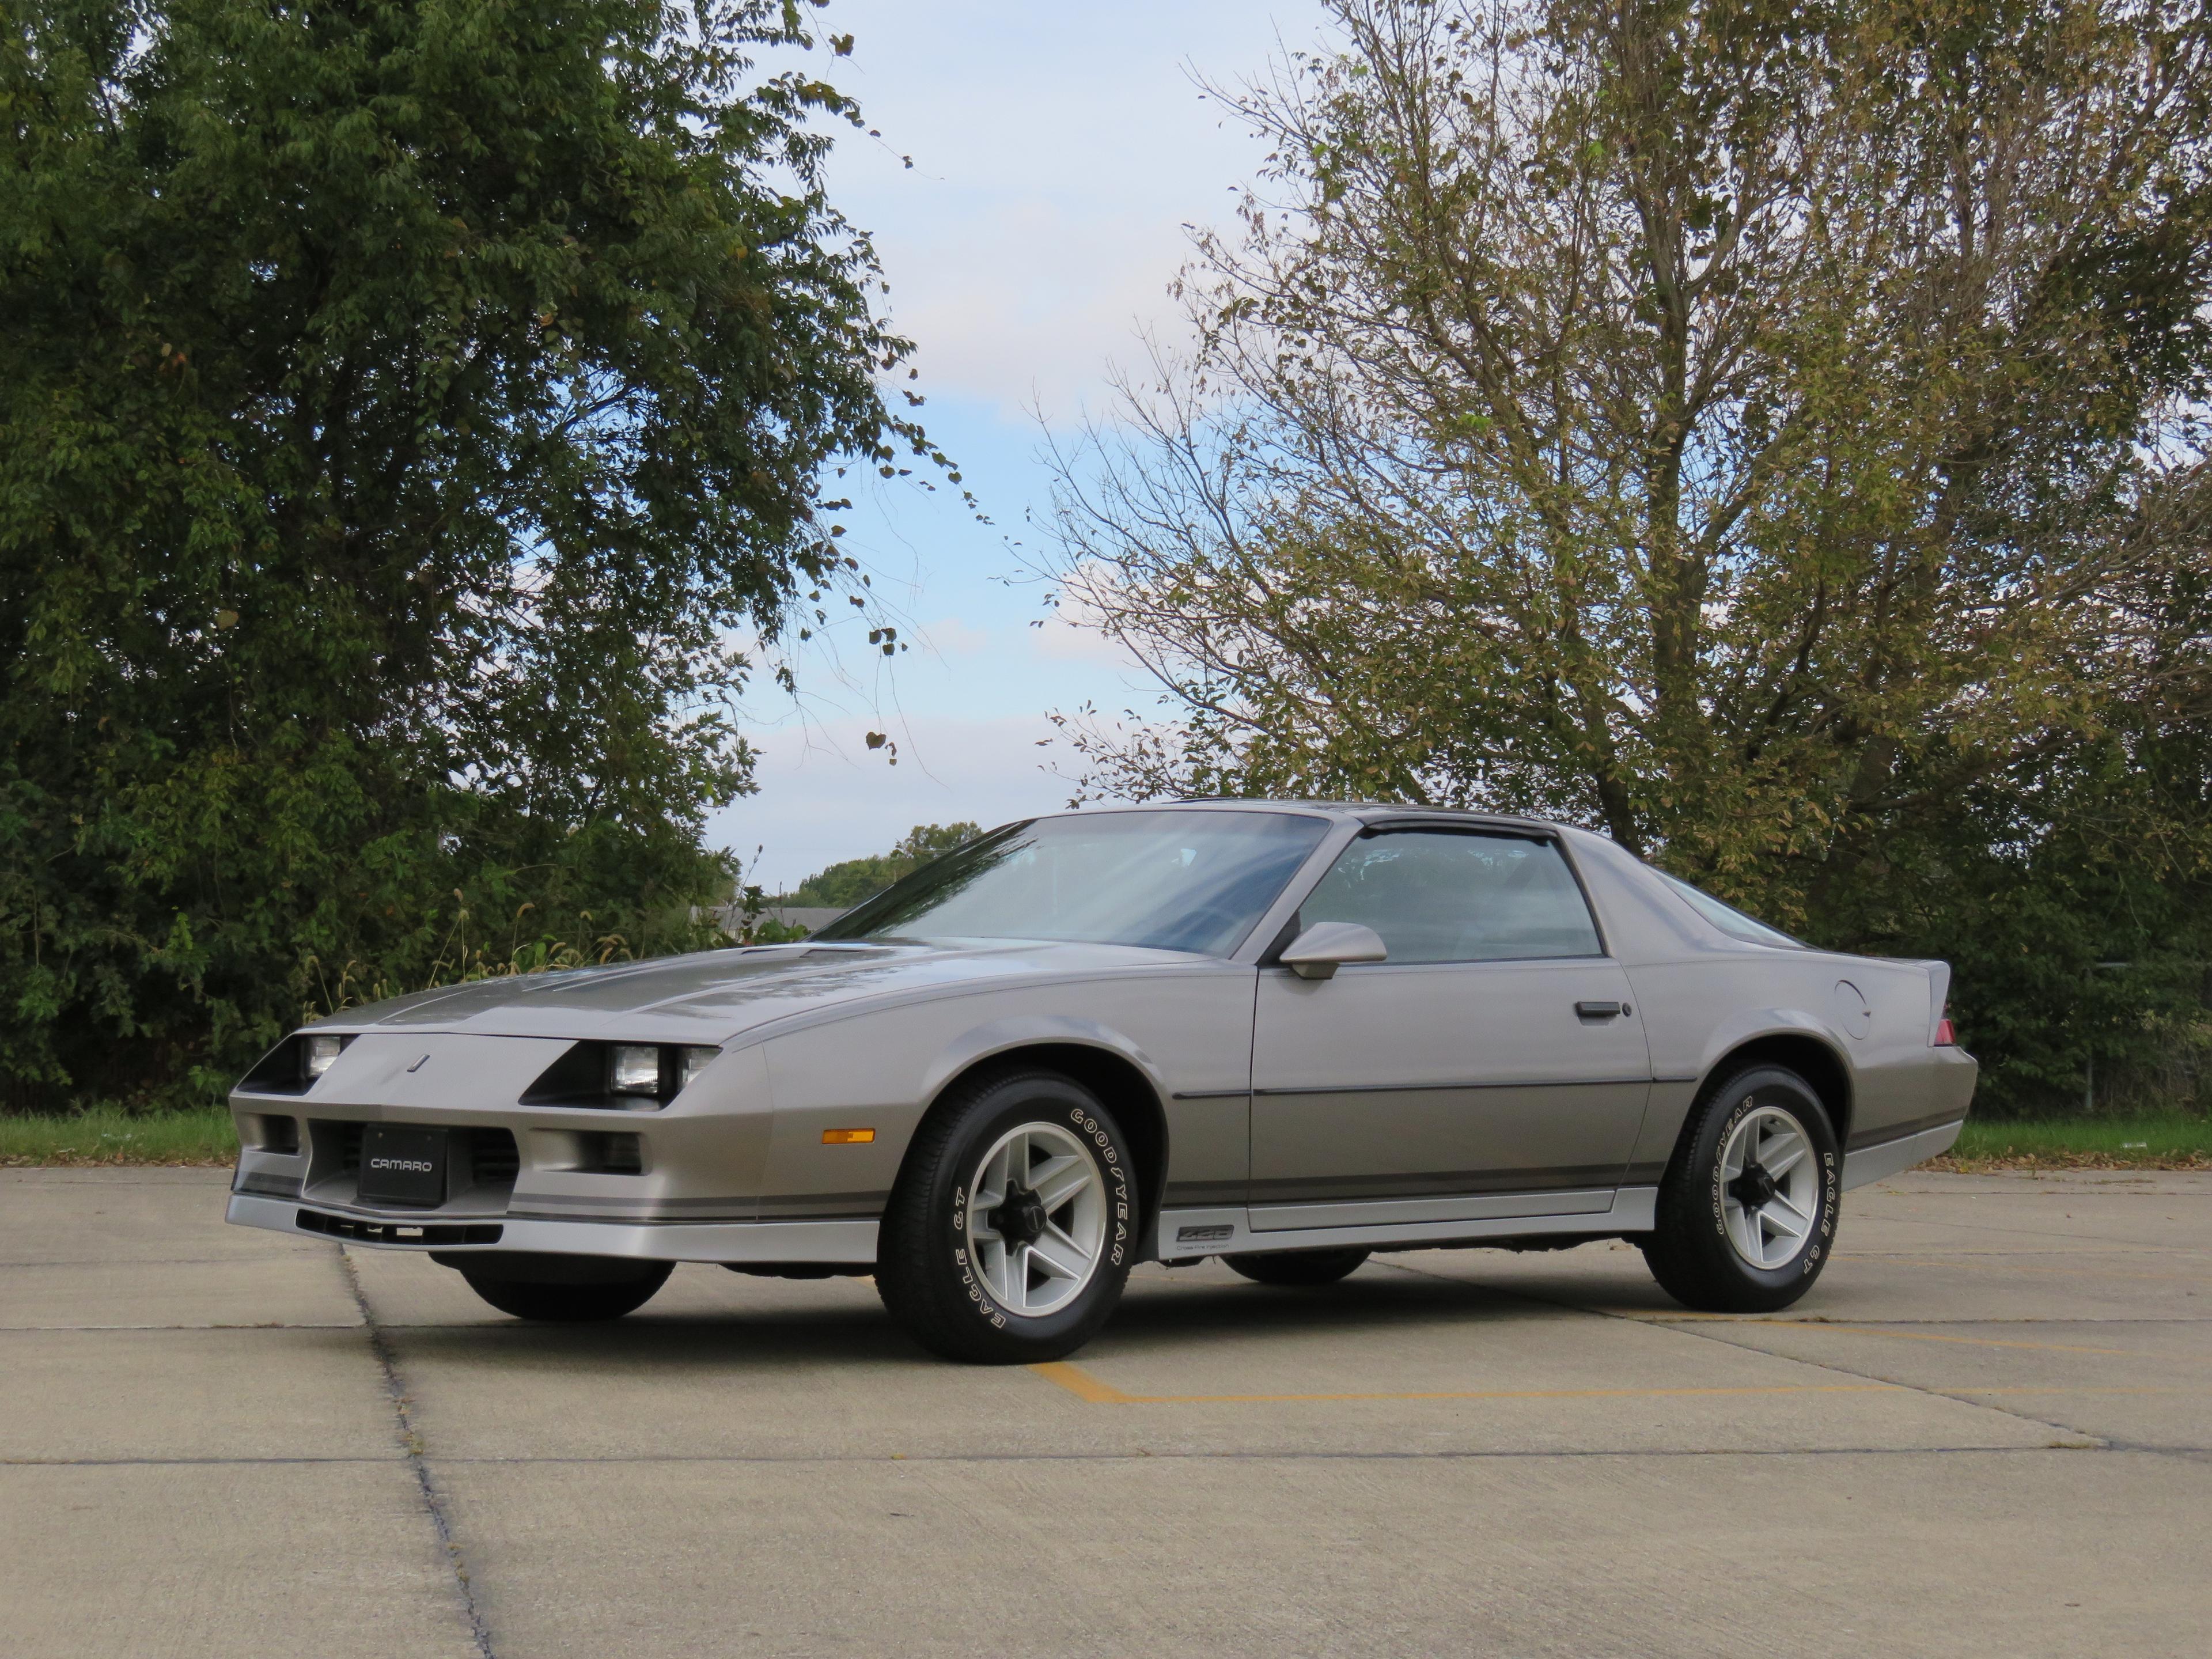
924 1272
1296 1267
1690 1249
611 1289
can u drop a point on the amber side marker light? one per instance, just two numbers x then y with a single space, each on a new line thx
847 1137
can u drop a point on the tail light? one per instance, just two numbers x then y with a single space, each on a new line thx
1945 1037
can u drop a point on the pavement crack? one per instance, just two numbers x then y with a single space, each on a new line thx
1711 1332
410 1446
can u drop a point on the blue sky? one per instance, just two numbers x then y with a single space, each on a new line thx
1059 150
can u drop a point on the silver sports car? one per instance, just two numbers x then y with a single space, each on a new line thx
1287 1033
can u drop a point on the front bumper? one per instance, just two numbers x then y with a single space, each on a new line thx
798 1243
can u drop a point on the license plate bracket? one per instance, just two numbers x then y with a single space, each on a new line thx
402 1165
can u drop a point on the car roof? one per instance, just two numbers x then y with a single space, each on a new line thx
1364 811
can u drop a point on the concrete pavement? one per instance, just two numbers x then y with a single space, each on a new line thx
1989 1429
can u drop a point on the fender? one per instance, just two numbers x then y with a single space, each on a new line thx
999 1037
1677 1086
1750 1024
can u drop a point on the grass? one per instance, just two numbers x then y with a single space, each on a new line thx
2097 1143
107 1134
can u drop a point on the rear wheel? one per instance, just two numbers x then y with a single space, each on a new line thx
1746 1214
1012 1230
1296 1267
562 1290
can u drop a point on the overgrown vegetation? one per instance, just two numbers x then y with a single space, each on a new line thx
1771 434
846 885
402 407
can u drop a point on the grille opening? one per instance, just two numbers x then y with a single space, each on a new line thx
494 1160
273 1134
613 1153
481 1163
588 1151
427 1235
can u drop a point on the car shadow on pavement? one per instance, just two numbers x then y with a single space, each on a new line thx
833 1324
1174 1314
641 1343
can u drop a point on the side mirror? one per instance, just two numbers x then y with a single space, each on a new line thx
1327 945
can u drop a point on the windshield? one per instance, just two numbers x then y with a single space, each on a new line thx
1172 880
1729 920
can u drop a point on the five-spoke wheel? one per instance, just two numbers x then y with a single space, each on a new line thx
1037 1218
1769 1187
1746 1213
1014 1222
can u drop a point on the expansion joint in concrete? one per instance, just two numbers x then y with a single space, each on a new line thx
2080 1440
410 1446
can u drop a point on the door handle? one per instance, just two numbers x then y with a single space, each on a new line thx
1601 1010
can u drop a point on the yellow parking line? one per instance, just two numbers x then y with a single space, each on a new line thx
1080 1383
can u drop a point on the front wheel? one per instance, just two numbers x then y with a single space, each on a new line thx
1012 1230
1746 1213
1296 1267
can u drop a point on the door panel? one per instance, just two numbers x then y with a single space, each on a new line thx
1493 1066
1442 1092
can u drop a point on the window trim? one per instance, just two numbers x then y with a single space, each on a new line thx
1296 925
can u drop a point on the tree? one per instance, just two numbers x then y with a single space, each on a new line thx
403 404
846 885
1770 434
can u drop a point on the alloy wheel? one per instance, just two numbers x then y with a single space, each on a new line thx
1769 1187
1037 1218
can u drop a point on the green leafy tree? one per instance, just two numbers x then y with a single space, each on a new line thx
403 406
1770 434
846 885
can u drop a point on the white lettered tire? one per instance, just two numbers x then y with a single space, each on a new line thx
1748 1211
1013 1225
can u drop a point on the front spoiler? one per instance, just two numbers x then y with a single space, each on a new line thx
766 1242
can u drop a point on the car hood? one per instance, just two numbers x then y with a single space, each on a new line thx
713 996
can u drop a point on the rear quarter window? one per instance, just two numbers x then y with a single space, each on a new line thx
1729 920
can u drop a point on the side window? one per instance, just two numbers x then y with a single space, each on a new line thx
1449 895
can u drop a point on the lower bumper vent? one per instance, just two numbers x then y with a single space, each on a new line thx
493 1159
399 1233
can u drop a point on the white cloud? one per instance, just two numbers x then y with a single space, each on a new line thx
1059 153
1055 295
1072 631
1059 640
